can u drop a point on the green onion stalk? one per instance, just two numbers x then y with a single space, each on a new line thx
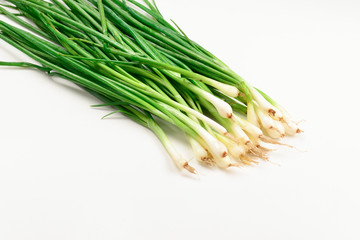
128 56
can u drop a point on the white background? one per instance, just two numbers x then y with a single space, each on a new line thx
65 174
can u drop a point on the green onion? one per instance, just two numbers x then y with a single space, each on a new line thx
147 69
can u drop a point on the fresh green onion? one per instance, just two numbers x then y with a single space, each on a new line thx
147 69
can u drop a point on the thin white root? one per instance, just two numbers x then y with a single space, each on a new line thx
247 160
190 169
273 141
237 165
254 150
274 163
264 149
301 121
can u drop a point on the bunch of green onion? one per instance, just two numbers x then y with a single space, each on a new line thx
127 55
